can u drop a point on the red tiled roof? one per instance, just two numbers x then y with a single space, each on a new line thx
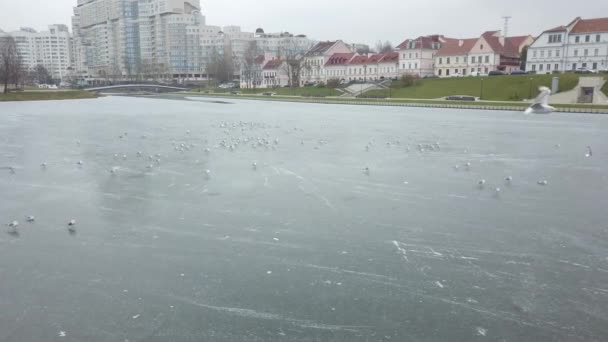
453 47
557 29
273 64
517 41
421 42
360 59
339 59
390 57
591 25
375 58
493 39
320 48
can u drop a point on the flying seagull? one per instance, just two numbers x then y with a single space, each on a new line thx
541 103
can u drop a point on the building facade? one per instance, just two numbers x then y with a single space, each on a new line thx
128 38
282 43
580 45
51 49
417 56
314 61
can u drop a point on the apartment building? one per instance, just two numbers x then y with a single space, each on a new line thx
127 37
279 44
51 49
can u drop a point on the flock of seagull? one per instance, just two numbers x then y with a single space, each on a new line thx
231 143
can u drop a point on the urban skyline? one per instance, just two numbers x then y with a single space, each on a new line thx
387 20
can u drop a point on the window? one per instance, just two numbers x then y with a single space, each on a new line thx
447 72
540 67
448 60
556 67
584 65
457 59
575 53
533 67
439 72
487 59
542 54
549 53
594 66
596 52
586 52
548 67
597 38
534 54
587 38
577 39
486 70
556 53
440 60
481 47
472 69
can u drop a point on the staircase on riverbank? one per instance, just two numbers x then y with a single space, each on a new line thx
588 91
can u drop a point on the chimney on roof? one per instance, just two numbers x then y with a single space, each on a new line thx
460 43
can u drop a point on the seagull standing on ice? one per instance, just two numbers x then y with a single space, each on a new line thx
72 226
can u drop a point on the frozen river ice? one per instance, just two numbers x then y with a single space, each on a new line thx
307 245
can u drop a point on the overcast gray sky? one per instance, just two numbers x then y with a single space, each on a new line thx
353 20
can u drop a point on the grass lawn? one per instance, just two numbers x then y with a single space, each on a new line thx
301 91
47 95
495 88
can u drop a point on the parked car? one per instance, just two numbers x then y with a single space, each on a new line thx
518 72
478 74
496 73
585 71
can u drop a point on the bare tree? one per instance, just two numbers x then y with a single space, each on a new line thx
11 67
249 67
363 50
42 75
294 57
384 47
221 66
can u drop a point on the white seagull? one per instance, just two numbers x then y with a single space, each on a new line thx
30 219
481 183
541 103
589 152
72 226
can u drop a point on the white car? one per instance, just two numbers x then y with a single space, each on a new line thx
478 74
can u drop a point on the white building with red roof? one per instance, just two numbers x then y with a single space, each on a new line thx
388 66
417 56
452 59
274 74
336 66
313 69
580 45
493 52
